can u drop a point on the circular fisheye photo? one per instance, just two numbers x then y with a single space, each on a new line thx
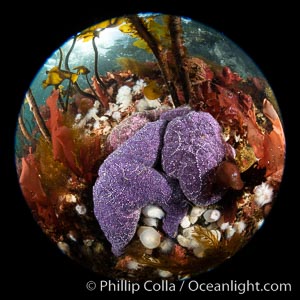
149 146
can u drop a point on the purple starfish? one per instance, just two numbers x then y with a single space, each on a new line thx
174 113
129 126
189 145
193 148
127 182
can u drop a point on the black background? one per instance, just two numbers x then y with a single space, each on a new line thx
31 264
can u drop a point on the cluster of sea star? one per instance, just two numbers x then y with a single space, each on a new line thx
168 162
